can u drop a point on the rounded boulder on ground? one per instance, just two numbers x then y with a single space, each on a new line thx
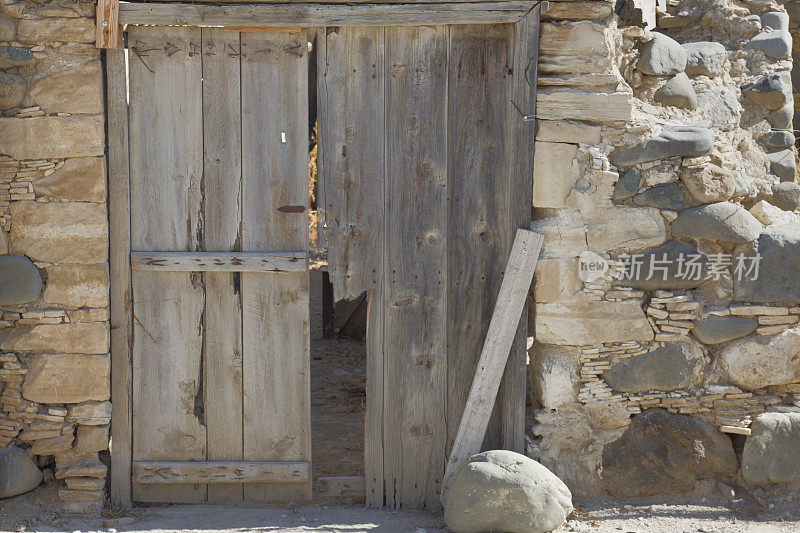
504 491
18 473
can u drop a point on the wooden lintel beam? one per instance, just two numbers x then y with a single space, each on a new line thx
220 261
171 472
311 15
107 33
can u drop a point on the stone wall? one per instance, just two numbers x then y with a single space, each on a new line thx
55 377
665 169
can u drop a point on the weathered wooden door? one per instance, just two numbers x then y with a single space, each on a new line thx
218 142
427 173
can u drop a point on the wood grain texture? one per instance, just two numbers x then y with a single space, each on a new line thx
228 475
120 271
415 303
313 15
351 126
513 389
222 215
479 225
338 486
220 261
502 331
276 315
107 31
166 172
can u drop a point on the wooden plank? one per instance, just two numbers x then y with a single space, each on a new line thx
222 177
351 125
415 303
166 146
221 261
338 486
276 371
120 270
351 183
229 474
502 330
311 15
480 193
513 388
107 33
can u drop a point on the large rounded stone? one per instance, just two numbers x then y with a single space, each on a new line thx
18 473
779 139
786 195
760 361
667 196
662 56
667 267
20 282
777 280
772 451
704 58
12 90
664 453
774 44
718 329
678 92
675 141
717 222
668 368
782 118
776 20
505 491
709 183
772 91
782 164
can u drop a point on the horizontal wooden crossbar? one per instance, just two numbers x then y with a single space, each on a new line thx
220 261
171 472
310 15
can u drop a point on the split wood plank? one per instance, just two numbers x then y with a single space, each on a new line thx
276 371
313 15
120 271
502 330
339 486
351 182
221 261
166 174
416 240
521 135
107 32
222 214
481 197
224 473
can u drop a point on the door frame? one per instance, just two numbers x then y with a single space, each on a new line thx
523 14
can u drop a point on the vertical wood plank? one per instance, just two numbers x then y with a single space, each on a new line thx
521 134
274 218
166 172
481 193
222 354
351 149
351 127
415 304
121 299
107 30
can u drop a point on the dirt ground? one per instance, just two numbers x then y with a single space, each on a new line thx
337 413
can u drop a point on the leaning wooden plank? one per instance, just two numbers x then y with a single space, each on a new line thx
415 298
338 486
119 215
226 472
166 155
222 177
220 261
277 391
310 15
107 34
502 330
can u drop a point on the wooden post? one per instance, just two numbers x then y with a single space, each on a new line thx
107 34
502 329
